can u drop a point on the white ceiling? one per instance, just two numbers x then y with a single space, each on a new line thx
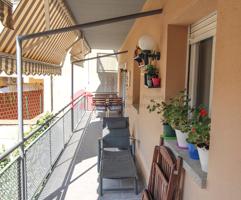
109 36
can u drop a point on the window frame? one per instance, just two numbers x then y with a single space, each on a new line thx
192 55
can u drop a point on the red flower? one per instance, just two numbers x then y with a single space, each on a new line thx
203 112
193 129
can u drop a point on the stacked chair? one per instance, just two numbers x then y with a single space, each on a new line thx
116 152
165 177
108 102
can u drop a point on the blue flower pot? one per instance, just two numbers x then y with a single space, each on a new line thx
192 151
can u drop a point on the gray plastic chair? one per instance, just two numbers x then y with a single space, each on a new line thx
116 152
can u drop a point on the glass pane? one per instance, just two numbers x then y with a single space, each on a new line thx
204 72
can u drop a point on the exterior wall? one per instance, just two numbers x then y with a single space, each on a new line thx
32 99
100 81
169 30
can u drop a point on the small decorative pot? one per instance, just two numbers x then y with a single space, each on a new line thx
168 131
149 83
203 155
193 152
181 139
156 82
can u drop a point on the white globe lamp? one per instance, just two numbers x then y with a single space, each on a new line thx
146 43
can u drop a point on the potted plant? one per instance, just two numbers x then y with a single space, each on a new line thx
156 81
152 76
192 138
179 118
164 110
200 134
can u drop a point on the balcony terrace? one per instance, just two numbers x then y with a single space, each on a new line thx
61 163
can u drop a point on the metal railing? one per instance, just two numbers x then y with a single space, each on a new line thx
41 154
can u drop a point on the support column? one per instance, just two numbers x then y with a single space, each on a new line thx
72 96
51 94
20 117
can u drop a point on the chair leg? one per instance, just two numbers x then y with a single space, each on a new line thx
101 186
136 185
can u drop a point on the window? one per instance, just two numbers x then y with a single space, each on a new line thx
201 59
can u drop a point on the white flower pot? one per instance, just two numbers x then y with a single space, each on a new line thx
181 138
203 155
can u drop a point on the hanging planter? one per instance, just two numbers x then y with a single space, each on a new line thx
156 82
181 139
203 155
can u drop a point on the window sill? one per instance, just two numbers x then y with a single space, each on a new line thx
136 107
192 167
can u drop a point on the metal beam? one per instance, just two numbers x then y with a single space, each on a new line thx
91 24
93 58
20 117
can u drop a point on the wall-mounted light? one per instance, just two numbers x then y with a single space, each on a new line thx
146 46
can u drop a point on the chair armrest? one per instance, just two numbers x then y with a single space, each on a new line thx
133 146
99 153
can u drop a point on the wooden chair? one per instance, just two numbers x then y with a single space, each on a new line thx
165 176
115 104
100 103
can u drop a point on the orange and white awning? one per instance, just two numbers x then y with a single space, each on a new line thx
6 13
39 54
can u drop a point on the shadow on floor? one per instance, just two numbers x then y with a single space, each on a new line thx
75 175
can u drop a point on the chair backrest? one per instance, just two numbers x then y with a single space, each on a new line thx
116 122
115 101
116 132
165 174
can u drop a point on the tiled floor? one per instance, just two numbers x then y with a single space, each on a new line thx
75 176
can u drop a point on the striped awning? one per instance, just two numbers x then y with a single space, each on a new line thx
79 50
6 13
43 53
30 67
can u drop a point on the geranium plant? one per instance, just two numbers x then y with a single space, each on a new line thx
199 133
179 112
163 109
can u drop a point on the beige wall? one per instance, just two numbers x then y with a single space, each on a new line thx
169 31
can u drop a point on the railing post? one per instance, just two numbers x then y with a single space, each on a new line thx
20 118
72 97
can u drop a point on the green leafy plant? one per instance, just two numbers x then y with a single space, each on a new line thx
151 71
163 109
40 122
179 112
6 160
199 132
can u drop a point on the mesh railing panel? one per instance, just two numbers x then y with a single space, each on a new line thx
79 110
40 157
10 188
37 163
57 139
67 126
